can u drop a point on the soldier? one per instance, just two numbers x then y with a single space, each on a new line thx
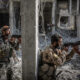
18 42
18 47
13 42
6 51
52 57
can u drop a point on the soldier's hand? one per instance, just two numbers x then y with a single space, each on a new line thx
58 51
76 48
66 48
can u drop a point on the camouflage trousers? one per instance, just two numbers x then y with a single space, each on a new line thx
7 71
47 72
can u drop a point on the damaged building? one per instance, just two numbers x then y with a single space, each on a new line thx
64 15
10 15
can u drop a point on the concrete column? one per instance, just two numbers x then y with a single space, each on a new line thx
78 26
29 25
70 6
53 15
11 14
78 6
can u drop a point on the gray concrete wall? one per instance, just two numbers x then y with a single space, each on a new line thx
11 23
53 15
78 26
28 39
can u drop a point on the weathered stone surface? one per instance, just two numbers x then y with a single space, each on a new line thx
28 39
78 26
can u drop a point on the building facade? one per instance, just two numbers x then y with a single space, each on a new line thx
10 15
64 15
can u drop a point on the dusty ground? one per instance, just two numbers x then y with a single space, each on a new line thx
70 70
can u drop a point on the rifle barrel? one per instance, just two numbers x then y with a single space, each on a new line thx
72 43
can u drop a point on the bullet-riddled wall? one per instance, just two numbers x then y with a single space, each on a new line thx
63 15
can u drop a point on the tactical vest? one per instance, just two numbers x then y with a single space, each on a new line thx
5 52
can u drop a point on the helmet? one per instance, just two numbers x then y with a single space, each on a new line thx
4 28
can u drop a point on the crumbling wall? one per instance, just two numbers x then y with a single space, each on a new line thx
17 18
65 21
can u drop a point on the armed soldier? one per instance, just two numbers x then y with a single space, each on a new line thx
18 47
12 41
6 51
52 57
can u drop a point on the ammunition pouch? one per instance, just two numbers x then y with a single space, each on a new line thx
4 57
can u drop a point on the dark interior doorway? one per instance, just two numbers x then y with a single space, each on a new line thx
4 19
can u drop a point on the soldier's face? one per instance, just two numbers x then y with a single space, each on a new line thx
12 39
60 42
7 32
3 32
57 45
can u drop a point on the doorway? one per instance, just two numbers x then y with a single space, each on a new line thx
4 19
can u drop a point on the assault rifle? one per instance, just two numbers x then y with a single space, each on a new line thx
71 43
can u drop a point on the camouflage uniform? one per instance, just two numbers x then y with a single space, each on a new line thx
5 54
13 44
50 60
5 51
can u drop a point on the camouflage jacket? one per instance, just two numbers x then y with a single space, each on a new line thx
50 60
5 51
56 57
49 56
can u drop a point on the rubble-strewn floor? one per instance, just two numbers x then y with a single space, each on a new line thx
70 70
69 75
16 68
17 71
